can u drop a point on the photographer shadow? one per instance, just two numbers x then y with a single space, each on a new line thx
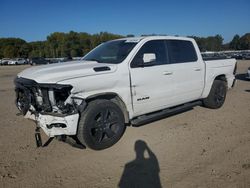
143 171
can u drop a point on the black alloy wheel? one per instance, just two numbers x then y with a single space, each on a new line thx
101 125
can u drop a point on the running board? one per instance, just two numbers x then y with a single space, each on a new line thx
141 120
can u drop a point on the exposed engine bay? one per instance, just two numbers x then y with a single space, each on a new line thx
44 98
51 105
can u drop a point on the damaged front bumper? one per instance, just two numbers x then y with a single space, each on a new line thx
51 106
55 125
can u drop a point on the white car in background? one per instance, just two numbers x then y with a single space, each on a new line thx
248 73
17 61
5 61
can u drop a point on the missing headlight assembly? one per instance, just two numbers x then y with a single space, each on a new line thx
43 98
52 106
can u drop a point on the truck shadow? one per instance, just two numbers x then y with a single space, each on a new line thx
241 77
247 90
142 171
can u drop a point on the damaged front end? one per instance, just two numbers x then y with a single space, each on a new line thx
52 106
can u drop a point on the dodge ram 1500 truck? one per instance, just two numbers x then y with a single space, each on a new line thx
121 82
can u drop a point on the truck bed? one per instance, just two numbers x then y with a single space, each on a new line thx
216 67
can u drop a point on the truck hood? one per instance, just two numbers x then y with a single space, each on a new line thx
54 73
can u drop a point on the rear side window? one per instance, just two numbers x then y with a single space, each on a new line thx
181 51
156 47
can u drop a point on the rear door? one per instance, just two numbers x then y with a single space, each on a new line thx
188 70
152 84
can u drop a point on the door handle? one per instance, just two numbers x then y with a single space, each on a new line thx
197 69
167 73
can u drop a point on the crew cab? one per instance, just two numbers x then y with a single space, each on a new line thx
121 82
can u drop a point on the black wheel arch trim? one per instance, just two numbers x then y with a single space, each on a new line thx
114 97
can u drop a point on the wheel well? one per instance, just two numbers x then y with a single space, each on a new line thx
221 77
114 98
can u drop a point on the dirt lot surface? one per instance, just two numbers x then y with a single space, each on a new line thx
198 148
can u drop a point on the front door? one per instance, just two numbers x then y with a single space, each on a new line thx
152 84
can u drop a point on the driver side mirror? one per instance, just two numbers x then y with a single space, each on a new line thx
149 58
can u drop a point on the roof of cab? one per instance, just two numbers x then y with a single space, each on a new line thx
155 37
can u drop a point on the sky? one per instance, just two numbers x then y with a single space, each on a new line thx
34 20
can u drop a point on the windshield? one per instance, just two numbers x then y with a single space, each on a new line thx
111 52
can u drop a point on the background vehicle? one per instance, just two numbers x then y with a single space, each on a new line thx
66 59
5 61
246 56
214 56
17 61
237 56
53 60
38 61
248 73
125 81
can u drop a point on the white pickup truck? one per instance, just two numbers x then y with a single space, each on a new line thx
128 81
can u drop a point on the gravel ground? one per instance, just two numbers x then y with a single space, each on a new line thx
198 148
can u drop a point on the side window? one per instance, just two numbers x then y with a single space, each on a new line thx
156 47
180 51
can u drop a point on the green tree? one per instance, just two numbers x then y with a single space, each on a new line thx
24 50
245 42
11 47
235 43
59 44
9 52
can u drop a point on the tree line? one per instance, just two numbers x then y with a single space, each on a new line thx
215 43
77 44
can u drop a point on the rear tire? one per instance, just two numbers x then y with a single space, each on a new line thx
217 95
101 125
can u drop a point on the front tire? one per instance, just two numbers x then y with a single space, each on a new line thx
217 95
102 125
